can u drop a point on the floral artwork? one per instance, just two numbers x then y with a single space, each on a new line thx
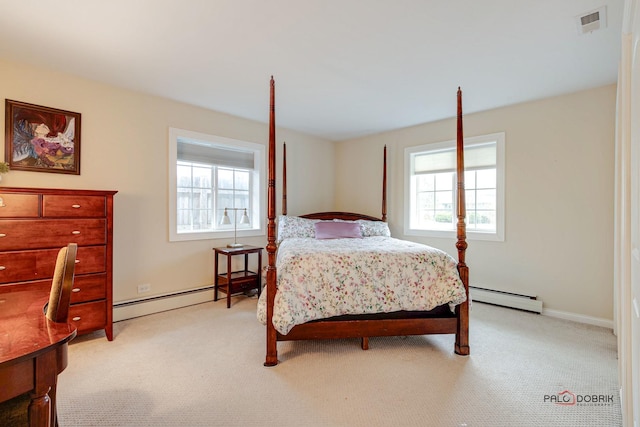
42 139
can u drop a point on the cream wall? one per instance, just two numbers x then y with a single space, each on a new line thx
559 196
124 147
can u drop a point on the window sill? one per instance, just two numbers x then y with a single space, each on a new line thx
209 235
471 235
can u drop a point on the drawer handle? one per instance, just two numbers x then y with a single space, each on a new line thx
77 261
2 267
75 206
3 235
75 290
75 319
75 232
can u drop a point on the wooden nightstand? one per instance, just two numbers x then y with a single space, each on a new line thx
233 282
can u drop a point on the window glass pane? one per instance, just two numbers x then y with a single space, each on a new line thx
426 201
486 220
183 219
183 176
200 221
225 178
241 199
201 198
444 181
241 180
184 199
202 176
486 199
444 217
470 220
225 199
470 199
425 182
470 179
486 178
444 200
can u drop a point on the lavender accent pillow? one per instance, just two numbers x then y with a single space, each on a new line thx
337 230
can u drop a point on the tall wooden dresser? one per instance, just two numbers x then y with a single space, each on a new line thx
35 223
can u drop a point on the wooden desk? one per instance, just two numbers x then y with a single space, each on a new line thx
233 282
33 351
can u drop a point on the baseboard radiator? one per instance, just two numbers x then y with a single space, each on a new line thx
506 299
124 310
144 306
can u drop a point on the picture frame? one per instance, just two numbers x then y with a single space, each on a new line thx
41 139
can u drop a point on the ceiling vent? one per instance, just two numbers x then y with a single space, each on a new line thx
592 21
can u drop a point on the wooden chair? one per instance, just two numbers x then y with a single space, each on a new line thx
57 310
14 412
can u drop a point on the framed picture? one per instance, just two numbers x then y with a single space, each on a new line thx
41 139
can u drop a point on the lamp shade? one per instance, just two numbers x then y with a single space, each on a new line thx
245 218
225 218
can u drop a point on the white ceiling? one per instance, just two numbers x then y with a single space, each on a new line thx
343 68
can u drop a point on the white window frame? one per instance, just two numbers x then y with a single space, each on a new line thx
257 213
499 234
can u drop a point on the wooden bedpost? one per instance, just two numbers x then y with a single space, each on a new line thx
284 178
462 332
272 343
384 186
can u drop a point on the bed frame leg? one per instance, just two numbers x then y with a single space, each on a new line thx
462 329
271 358
365 343
272 355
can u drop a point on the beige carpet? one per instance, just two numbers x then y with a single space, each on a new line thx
202 366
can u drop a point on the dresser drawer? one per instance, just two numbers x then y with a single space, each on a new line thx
58 206
88 316
91 259
89 288
32 234
21 266
19 205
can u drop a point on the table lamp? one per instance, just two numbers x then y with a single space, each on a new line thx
226 221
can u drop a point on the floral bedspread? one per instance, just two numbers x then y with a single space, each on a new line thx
317 279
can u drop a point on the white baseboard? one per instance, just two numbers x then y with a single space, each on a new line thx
525 302
124 310
580 318
144 306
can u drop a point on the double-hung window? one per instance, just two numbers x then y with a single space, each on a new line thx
430 188
209 174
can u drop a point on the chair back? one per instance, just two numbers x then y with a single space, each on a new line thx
62 283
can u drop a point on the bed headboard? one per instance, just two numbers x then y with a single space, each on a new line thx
345 216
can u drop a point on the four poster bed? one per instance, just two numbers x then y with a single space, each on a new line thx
341 275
